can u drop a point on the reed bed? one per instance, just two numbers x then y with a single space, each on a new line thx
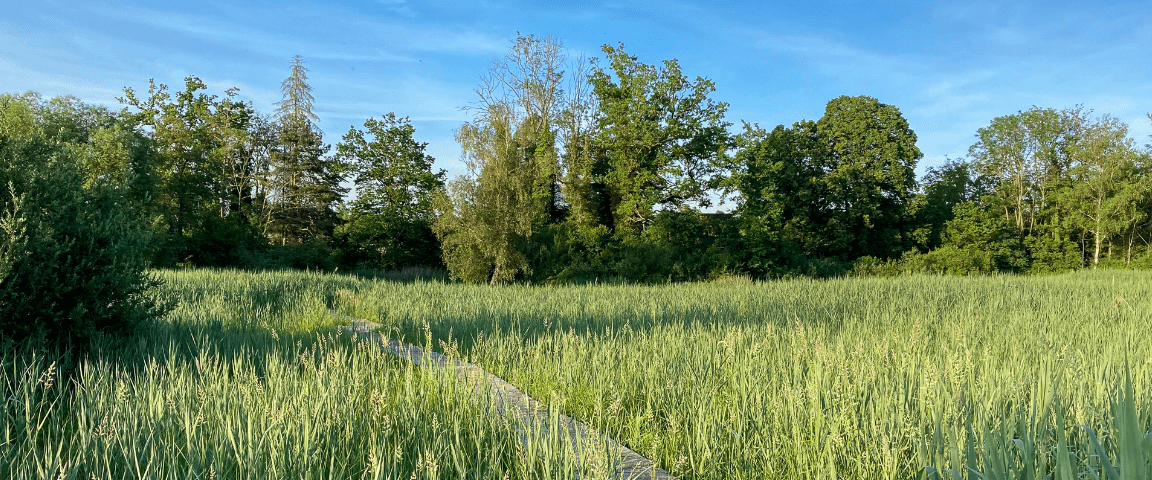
912 377
247 378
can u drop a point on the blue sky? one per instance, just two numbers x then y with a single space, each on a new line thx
950 66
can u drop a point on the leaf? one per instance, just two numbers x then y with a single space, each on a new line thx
973 471
1063 464
1110 471
1128 432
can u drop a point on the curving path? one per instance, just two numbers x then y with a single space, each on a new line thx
509 399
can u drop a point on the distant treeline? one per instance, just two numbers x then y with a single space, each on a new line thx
599 168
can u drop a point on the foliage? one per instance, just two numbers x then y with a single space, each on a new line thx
570 163
657 141
487 218
306 180
945 187
1026 155
205 163
949 260
1070 185
388 225
72 265
841 187
780 195
485 224
981 230
1106 185
869 161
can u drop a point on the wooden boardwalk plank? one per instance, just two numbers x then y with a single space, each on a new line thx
508 399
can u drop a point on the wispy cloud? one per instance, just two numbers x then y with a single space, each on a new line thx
324 36
400 7
950 67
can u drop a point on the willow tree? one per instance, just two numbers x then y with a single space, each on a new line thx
512 188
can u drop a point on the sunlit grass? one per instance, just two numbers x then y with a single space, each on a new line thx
852 378
247 378
911 377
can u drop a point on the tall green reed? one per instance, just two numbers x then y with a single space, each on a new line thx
851 378
248 379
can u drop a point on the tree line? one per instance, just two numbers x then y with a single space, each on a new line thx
601 168
609 171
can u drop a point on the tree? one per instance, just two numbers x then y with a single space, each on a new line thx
777 178
658 139
868 168
1105 181
1025 155
839 188
296 107
249 173
976 232
306 180
582 188
945 187
388 225
487 218
1066 182
203 150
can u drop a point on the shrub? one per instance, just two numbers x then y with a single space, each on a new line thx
950 260
72 252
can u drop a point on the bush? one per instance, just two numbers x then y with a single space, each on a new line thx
868 266
72 255
949 260
312 254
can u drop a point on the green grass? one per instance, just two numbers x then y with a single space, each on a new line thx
911 377
248 379
1006 377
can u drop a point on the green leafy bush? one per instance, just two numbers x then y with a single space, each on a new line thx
72 252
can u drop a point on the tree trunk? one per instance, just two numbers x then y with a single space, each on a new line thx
1096 254
495 275
1131 239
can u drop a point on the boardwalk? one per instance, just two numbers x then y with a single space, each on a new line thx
509 399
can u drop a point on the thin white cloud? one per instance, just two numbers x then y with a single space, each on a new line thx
393 41
399 7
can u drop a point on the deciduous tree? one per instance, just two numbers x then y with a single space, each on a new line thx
72 241
487 217
388 225
658 138
868 168
202 146
1106 181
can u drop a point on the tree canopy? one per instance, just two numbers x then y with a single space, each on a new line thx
580 169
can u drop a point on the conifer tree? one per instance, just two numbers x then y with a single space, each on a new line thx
306 179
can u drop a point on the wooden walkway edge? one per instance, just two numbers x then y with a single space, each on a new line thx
509 399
